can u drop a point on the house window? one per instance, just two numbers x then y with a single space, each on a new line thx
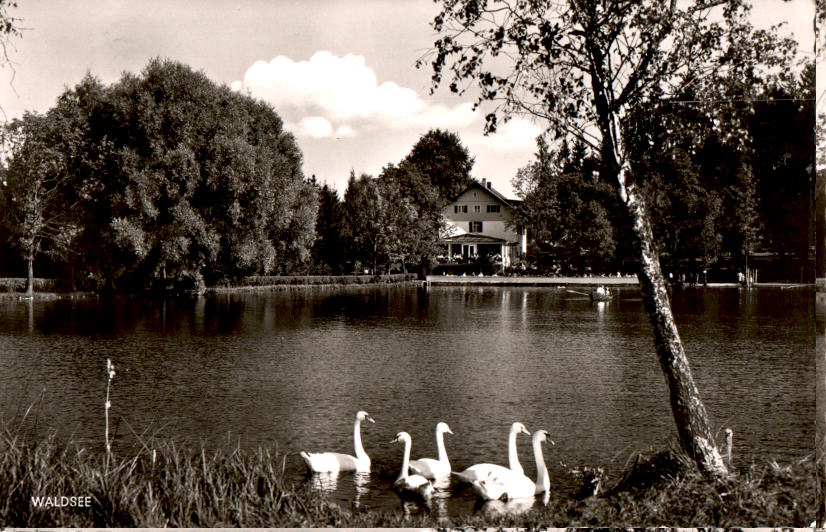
477 208
459 208
493 208
475 227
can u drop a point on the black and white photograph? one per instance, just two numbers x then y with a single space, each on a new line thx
412 264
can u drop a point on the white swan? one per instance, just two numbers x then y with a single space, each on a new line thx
335 462
411 487
512 485
431 468
480 471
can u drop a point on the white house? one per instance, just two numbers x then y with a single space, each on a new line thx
477 225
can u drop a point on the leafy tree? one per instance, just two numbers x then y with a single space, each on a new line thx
363 229
184 178
441 161
327 248
418 219
380 224
583 67
563 204
34 188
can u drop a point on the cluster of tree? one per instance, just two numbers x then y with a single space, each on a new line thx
565 207
712 193
392 222
162 175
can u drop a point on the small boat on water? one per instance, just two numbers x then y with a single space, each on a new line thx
597 295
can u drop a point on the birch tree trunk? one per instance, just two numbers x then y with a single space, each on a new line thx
689 413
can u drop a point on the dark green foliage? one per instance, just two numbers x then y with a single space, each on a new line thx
327 253
563 205
254 281
393 222
173 176
366 235
440 163
36 184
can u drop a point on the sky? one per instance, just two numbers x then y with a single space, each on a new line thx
339 72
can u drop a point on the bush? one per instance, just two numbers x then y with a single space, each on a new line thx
309 280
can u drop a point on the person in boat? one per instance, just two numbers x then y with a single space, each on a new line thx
602 291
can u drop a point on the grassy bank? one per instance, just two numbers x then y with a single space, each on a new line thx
167 485
14 288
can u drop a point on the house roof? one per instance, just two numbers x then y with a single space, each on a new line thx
475 238
490 190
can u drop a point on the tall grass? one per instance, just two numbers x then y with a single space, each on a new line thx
162 484
170 487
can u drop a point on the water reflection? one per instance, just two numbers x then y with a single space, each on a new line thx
441 494
360 481
324 482
340 484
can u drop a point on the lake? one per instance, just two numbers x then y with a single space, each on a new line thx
289 369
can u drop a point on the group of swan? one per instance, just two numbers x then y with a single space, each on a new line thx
489 481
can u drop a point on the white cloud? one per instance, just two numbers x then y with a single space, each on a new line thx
518 134
343 91
314 127
345 131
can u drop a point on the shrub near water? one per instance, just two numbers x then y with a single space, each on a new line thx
280 280
164 484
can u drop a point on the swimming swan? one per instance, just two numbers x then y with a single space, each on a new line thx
335 462
410 487
431 468
513 485
480 471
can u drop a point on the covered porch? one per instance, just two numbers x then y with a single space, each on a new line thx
471 246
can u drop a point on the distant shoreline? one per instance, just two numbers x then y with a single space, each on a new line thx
303 282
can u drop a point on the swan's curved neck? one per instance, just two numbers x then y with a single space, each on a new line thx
357 439
513 456
406 459
440 446
542 480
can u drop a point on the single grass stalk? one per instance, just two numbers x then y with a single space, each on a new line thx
110 373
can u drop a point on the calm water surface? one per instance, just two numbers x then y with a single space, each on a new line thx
289 369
